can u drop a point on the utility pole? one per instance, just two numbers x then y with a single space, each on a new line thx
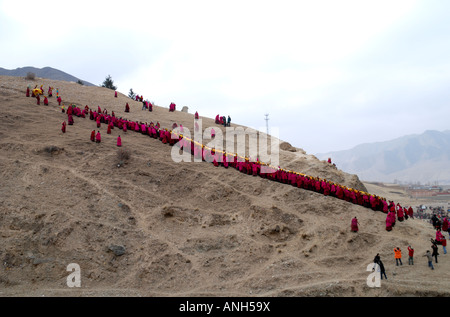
267 123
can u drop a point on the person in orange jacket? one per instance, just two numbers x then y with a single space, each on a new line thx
398 256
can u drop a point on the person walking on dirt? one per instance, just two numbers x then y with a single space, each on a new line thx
430 259
378 261
382 269
434 247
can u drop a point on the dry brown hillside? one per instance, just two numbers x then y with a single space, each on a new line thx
186 229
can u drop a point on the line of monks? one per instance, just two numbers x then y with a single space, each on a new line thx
242 164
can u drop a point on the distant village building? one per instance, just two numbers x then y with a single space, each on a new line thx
426 191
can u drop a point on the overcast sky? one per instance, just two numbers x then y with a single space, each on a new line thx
330 74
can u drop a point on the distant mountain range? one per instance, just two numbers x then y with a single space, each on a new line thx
423 159
46 72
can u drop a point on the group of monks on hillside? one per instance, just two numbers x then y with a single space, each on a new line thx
37 92
242 164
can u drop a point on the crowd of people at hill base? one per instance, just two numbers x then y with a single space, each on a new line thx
244 165
441 228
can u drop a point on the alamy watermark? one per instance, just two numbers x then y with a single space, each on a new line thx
374 279
74 278
244 144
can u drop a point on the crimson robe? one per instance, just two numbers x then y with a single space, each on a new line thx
339 192
225 161
388 222
98 137
354 225
119 141
317 186
445 223
300 180
326 188
385 206
63 128
400 214
93 136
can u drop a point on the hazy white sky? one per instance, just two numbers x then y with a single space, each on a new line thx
330 74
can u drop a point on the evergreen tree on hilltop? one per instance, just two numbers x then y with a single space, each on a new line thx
131 94
109 83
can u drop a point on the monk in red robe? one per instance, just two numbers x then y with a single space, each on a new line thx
93 136
410 212
38 100
45 101
339 192
108 131
400 214
354 225
388 221
28 91
70 119
127 108
98 137
325 187
225 160
119 141
63 128
385 206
